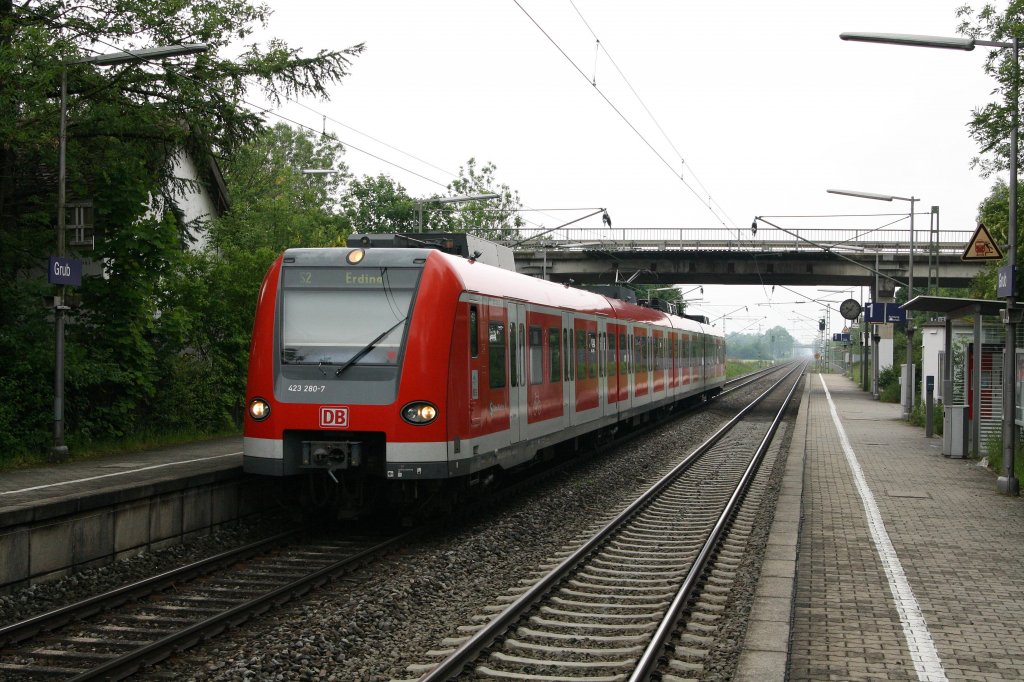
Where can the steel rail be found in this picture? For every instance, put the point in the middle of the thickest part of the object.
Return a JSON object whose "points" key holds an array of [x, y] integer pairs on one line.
{"points": [[123, 666], [59, 617], [471, 649], [649, 659]]}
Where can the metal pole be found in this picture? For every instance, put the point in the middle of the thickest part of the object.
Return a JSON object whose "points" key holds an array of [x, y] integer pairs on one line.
{"points": [[60, 450], [865, 384], [875, 339], [908, 405], [1008, 482]]}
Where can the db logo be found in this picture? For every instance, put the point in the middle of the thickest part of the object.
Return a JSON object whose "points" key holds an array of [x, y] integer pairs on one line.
{"points": [[333, 417]]}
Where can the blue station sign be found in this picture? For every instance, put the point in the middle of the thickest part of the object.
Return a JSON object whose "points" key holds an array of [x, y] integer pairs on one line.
{"points": [[67, 271], [881, 313]]}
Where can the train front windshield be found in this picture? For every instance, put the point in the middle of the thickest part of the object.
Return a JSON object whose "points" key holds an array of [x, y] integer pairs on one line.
{"points": [[345, 316]]}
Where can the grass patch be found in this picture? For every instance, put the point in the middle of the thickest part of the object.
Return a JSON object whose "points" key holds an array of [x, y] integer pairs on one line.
{"points": [[735, 368], [994, 451]]}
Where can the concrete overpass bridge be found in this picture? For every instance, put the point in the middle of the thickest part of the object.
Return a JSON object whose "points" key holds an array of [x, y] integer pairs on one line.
{"points": [[879, 259]]}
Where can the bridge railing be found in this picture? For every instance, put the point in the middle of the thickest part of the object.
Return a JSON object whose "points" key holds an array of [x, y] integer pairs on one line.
{"points": [[890, 241]]}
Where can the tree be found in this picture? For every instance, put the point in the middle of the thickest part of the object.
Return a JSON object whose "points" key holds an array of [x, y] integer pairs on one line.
{"points": [[273, 203], [381, 204], [189, 103], [494, 219], [210, 301], [991, 123], [125, 125]]}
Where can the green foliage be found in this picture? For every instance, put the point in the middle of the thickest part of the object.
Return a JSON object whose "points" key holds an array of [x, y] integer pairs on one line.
{"points": [[918, 416], [495, 219], [775, 343], [381, 204], [991, 123], [148, 348], [994, 452], [889, 385], [160, 342], [274, 204]]}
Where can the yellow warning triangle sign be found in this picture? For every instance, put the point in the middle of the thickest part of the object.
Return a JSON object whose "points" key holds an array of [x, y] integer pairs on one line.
{"points": [[982, 246]]}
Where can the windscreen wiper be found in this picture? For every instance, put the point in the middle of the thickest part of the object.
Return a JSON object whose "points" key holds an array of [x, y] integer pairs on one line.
{"points": [[368, 347]]}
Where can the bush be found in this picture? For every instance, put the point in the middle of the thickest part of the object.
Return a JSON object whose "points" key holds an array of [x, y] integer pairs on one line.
{"points": [[994, 451], [918, 416]]}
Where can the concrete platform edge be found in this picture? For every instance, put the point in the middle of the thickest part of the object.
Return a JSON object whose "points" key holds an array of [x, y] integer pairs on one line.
{"points": [[54, 539], [766, 646]]}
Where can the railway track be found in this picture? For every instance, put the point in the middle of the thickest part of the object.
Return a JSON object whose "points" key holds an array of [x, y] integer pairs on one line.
{"points": [[114, 634], [642, 594], [117, 633]]}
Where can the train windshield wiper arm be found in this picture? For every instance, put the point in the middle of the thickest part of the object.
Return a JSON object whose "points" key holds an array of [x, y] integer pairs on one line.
{"points": [[368, 347]]}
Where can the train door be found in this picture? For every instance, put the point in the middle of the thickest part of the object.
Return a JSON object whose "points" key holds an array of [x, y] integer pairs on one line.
{"points": [[517, 393], [687, 346], [612, 359], [658, 361], [626, 367], [604, 381], [586, 361], [568, 370], [641, 367], [704, 360]]}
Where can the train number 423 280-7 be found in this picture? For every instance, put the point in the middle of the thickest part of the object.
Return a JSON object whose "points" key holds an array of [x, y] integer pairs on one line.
{"points": [[307, 388]]}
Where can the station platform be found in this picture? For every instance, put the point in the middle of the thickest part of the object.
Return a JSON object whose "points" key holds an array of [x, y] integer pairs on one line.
{"points": [[43, 486], [886, 560], [58, 519]]}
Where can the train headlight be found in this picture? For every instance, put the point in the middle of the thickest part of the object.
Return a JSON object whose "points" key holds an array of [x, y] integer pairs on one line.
{"points": [[259, 409], [419, 413], [355, 256]]}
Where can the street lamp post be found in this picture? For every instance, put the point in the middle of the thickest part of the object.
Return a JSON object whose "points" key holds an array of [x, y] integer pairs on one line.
{"points": [[60, 450], [1008, 482], [908, 393]]}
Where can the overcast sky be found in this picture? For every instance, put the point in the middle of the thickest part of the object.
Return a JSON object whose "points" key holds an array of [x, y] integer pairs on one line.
{"points": [[761, 103]]}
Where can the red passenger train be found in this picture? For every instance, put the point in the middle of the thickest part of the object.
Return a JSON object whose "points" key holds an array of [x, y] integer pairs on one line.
{"points": [[402, 372]]}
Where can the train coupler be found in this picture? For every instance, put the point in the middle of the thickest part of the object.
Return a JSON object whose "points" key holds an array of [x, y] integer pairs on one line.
{"points": [[332, 455]]}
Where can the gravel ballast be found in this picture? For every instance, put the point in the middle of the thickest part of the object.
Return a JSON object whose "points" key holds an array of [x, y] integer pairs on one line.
{"points": [[372, 624]]}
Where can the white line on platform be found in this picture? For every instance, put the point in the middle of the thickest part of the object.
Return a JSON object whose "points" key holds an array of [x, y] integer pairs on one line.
{"points": [[919, 640], [118, 473]]}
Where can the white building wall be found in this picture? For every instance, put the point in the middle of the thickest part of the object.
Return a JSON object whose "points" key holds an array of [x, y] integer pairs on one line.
{"points": [[196, 203], [885, 349]]}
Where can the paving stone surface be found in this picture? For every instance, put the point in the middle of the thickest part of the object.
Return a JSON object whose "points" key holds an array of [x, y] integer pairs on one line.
{"points": [[960, 545]]}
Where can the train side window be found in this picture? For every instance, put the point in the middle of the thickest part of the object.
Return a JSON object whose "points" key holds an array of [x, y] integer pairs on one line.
{"points": [[555, 354], [496, 354], [536, 356], [512, 354], [474, 330]]}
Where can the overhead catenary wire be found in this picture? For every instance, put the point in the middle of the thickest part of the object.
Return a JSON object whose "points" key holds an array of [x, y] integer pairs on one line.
{"points": [[711, 204], [621, 115], [603, 48]]}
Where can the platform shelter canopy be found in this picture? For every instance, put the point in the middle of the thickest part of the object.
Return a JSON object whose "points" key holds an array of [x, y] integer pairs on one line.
{"points": [[954, 307]]}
